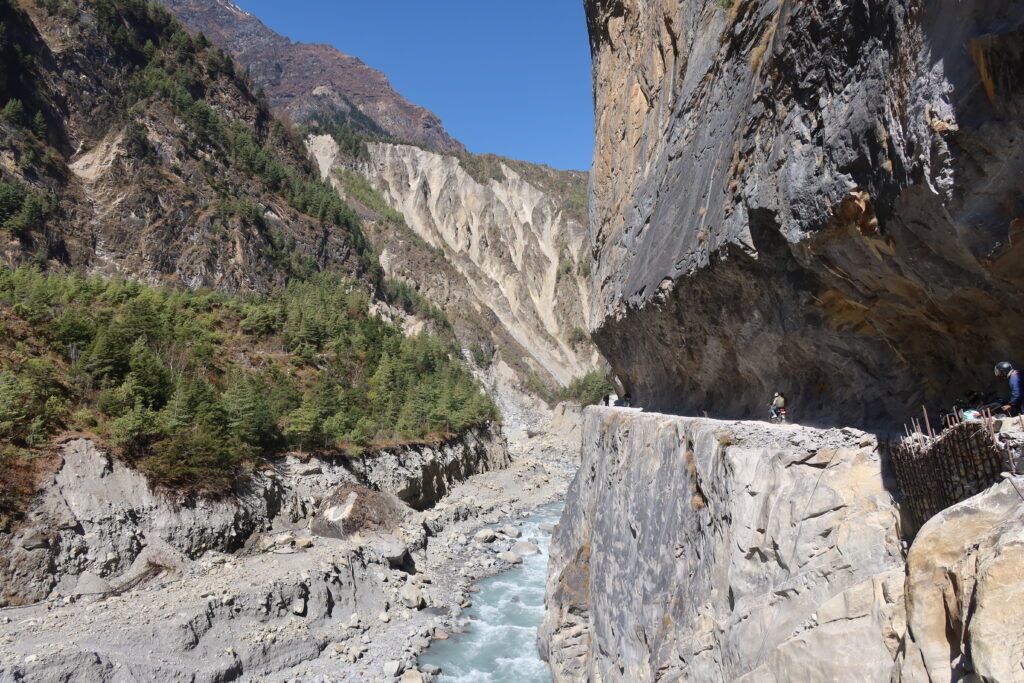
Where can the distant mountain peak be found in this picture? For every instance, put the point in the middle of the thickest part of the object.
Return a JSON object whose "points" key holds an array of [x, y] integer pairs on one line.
{"points": [[296, 76]]}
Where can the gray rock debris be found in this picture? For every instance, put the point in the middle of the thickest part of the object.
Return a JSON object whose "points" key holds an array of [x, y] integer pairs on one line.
{"points": [[100, 516]]}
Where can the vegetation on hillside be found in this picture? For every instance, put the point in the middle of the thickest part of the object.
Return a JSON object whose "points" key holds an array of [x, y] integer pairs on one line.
{"points": [[195, 387], [588, 389], [193, 129]]}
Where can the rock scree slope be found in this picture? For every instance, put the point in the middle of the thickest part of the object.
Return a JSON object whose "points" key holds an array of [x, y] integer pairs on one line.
{"points": [[816, 196], [502, 251]]}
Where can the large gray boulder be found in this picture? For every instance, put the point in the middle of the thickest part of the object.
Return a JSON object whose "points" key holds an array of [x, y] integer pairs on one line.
{"points": [[352, 508], [965, 587]]}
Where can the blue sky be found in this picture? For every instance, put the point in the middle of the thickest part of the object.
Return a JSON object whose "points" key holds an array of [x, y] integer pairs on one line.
{"points": [[506, 76]]}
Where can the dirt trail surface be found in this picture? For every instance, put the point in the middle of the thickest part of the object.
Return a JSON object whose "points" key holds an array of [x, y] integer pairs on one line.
{"points": [[297, 603]]}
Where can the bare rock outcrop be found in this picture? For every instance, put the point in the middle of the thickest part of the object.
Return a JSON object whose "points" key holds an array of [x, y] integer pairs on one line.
{"points": [[420, 476], [495, 243], [696, 549], [100, 519], [964, 590], [808, 195]]}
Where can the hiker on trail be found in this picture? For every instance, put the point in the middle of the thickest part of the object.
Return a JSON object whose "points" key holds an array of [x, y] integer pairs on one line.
{"points": [[778, 405], [1006, 369], [627, 400], [607, 400]]}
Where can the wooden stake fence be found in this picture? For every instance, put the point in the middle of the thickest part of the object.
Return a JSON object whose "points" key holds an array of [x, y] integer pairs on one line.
{"points": [[937, 471]]}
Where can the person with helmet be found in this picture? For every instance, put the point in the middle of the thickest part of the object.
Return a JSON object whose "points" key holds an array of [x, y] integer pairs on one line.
{"points": [[778, 405], [1006, 369]]}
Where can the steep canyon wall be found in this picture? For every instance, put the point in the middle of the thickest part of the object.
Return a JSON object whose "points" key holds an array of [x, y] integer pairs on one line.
{"points": [[695, 549], [707, 550], [816, 196]]}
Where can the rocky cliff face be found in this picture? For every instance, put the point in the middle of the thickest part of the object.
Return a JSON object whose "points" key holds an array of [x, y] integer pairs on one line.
{"points": [[100, 520], [497, 244], [695, 549], [811, 196], [304, 81]]}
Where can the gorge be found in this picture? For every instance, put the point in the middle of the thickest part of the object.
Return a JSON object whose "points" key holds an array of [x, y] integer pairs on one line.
{"points": [[325, 302]]}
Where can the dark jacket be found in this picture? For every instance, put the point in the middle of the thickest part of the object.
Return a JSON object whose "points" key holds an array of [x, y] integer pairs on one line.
{"points": [[1015, 392]]}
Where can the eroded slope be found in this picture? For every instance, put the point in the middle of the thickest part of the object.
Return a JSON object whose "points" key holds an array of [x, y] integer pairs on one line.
{"points": [[507, 248]]}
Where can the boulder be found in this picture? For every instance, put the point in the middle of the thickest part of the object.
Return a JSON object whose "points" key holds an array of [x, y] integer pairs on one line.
{"points": [[34, 539], [351, 508], [485, 535], [965, 585], [394, 551], [90, 584], [524, 548], [511, 531], [412, 597], [510, 557], [412, 676]]}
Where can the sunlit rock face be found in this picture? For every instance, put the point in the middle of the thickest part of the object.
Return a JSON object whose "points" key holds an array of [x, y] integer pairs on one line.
{"points": [[816, 196], [707, 550], [517, 247], [502, 250]]}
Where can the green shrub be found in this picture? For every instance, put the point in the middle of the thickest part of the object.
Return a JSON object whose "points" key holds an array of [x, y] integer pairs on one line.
{"points": [[589, 389], [578, 337], [194, 459], [146, 365]]}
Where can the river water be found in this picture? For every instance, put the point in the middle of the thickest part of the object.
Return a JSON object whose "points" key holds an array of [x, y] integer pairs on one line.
{"points": [[500, 642]]}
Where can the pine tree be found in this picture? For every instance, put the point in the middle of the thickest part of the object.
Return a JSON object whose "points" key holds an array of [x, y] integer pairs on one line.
{"points": [[136, 430], [12, 406], [415, 416], [304, 424], [149, 378], [14, 111], [39, 125], [250, 416]]}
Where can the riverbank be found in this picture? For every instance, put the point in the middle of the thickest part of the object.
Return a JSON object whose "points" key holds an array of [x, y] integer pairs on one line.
{"points": [[292, 604], [499, 644]]}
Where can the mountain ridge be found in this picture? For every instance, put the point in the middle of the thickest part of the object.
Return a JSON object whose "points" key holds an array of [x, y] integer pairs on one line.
{"points": [[306, 81]]}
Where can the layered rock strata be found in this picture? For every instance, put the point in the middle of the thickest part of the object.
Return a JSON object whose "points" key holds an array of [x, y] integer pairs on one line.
{"points": [[815, 196], [696, 549]]}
